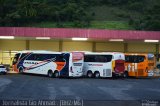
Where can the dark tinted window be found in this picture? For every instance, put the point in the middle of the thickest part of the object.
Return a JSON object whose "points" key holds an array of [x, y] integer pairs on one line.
{"points": [[2, 67], [16, 58], [89, 58], [42, 57], [23, 55], [31, 57], [97, 58], [134, 59], [56, 57]]}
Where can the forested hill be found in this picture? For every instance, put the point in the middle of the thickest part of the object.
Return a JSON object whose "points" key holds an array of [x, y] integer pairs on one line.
{"points": [[105, 14]]}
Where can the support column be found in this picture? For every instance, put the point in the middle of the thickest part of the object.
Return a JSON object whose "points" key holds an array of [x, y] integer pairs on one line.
{"points": [[157, 51], [27, 45], [93, 46], [125, 47], [60, 45]]}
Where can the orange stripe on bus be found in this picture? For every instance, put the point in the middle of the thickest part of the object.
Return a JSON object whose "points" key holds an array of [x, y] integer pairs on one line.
{"points": [[60, 65]]}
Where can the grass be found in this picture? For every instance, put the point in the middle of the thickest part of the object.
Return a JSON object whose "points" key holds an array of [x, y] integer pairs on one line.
{"points": [[43, 25], [111, 25], [94, 24]]}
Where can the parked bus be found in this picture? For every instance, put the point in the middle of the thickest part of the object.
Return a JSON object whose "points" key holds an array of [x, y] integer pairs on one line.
{"points": [[103, 64], [140, 65], [53, 64]]}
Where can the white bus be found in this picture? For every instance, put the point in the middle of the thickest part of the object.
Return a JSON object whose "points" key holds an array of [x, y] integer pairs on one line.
{"points": [[103, 64], [53, 64]]}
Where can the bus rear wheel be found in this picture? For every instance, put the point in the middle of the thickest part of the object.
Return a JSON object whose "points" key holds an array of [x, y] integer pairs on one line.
{"points": [[125, 75], [50, 73], [89, 74], [56, 74], [96, 74]]}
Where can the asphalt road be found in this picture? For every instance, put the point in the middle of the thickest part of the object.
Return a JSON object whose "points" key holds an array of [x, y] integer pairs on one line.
{"points": [[87, 91]]}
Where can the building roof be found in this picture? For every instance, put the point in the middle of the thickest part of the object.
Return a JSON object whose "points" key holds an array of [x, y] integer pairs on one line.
{"points": [[62, 33]]}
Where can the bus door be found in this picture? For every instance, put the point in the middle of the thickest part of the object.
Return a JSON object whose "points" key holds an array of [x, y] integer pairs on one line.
{"points": [[76, 64], [65, 71]]}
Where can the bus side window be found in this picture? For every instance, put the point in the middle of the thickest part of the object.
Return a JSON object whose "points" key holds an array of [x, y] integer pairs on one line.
{"points": [[89, 58], [23, 55], [100, 58], [39, 57], [141, 59], [60, 58], [31, 57], [109, 58]]}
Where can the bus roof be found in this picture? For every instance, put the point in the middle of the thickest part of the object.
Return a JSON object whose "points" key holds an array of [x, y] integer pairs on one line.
{"points": [[105, 53], [144, 54], [113, 53], [39, 51], [97, 53]]}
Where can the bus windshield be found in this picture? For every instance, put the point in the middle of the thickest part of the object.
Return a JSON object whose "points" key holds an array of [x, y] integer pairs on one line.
{"points": [[16, 58], [134, 59]]}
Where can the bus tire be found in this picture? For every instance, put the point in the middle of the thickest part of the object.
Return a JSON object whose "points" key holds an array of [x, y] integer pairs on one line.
{"points": [[21, 70], [125, 75], [56, 74], [50, 73], [89, 74], [97, 74]]}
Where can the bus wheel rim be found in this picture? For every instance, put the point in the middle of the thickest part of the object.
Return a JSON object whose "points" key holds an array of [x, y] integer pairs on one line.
{"points": [[50, 74], [56, 74], [97, 75], [89, 75]]}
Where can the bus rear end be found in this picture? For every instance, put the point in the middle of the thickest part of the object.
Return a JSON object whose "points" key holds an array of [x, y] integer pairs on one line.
{"points": [[76, 64], [118, 64], [138, 65]]}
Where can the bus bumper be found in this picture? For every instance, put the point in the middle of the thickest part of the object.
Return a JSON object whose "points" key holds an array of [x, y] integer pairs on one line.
{"points": [[118, 74], [150, 73]]}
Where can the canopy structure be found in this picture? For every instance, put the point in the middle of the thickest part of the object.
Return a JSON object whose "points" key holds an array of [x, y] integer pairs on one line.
{"points": [[62, 33]]}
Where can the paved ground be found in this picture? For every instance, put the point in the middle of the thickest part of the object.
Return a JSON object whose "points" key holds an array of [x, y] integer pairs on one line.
{"points": [[87, 91]]}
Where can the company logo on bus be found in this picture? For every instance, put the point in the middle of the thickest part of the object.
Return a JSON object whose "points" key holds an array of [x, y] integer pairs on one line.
{"points": [[95, 64], [120, 56]]}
